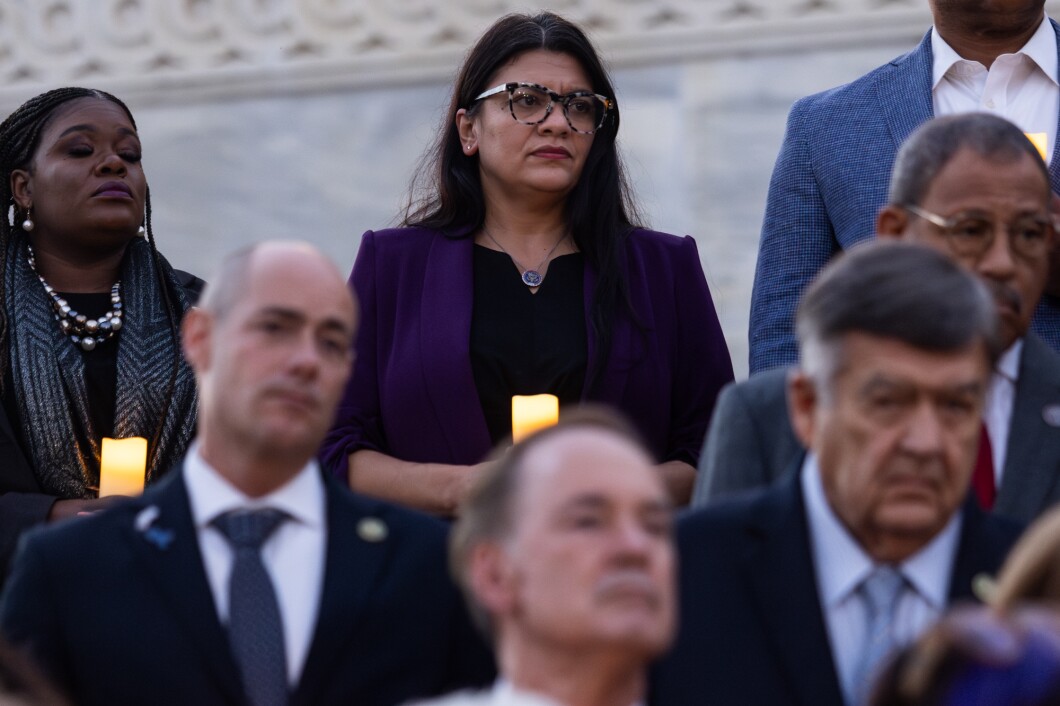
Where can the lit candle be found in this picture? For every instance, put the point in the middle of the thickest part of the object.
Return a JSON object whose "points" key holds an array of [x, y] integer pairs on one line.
{"points": [[1041, 141], [121, 471], [533, 412]]}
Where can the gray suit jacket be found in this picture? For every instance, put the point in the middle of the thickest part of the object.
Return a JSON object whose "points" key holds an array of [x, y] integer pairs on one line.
{"points": [[751, 442]]}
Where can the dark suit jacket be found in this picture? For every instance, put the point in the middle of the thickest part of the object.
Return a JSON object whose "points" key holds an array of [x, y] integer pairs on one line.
{"points": [[829, 182], [412, 394], [115, 615], [752, 631], [751, 442], [22, 502]]}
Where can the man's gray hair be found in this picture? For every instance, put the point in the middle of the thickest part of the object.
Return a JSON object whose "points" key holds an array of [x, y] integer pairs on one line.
{"points": [[927, 151], [488, 512], [895, 290]]}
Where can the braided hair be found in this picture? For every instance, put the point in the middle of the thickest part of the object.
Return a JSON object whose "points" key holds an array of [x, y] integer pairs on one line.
{"points": [[20, 135]]}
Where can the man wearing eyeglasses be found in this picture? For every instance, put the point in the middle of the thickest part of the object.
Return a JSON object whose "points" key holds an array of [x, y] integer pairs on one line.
{"points": [[972, 186], [831, 174]]}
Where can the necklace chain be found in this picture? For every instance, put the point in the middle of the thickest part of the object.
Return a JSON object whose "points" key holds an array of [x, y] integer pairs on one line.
{"points": [[530, 277], [83, 331]]}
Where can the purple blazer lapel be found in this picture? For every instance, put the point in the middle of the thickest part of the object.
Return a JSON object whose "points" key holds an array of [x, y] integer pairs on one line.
{"points": [[905, 92], [445, 334]]}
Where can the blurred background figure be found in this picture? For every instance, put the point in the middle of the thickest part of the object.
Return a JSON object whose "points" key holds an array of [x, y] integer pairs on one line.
{"points": [[521, 270], [565, 554], [831, 175], [89, 309], [973, 187], [976, 657], [248, 576], [796, 593]]}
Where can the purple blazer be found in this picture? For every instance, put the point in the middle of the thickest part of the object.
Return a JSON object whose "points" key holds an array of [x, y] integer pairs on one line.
{"points": [[412, 394]]}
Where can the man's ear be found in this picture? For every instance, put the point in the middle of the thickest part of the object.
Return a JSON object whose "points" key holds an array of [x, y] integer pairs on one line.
{"points": [[195, 334], [892, 221], [803, 399], [491, 578]]}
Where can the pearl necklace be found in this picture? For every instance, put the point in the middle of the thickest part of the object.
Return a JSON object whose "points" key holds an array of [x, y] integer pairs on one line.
{"points": [[85, 332], [531, 278]]}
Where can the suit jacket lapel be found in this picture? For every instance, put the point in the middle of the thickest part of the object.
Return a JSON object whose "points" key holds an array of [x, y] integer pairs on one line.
{"points": [[175, 569], [352, 570], [904, 90], [1032, 459], [445, 334], [781, 571], [980, 551]]}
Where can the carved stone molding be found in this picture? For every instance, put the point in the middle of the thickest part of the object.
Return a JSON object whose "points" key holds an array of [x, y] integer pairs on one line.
{"points": [[162, 49]]}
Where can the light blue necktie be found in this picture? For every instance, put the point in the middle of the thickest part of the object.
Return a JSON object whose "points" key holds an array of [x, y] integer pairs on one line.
{"points": [[880, 593], [255, 627]]}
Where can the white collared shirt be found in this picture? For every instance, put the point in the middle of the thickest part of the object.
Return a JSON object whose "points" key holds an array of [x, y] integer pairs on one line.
{"points": [[293, 555], [1000, 398], [840, 565], [1020, 87], [503, 693]]}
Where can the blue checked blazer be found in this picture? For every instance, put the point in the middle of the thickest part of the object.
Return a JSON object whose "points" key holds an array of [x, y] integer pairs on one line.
{"points": [[830, 180]]}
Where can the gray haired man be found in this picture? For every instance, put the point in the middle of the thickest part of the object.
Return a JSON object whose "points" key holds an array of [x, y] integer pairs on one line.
{"points": [[795, 594]]}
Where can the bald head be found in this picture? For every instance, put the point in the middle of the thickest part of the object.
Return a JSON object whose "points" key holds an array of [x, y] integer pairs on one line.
{"points": [[566, 547], [271, 346], [231, 276]]}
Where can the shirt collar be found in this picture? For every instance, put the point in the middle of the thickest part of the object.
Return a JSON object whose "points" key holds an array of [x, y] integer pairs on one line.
{"points": [[841, 564], [211, 495], [1008, 366], [504, 692], [1040, 48]]}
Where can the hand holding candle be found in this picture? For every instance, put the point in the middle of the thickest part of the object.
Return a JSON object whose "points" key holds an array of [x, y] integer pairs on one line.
{"points": [[532, 412], [122, 468]]}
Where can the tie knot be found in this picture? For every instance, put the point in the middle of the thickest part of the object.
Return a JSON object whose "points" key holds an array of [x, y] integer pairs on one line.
{"points": [[249, 528], [882, 588]]}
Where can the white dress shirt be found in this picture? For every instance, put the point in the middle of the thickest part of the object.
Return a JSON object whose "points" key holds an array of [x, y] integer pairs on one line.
{"points": [[293, 555], [997, 414], [1020, 87], [503, 693], [840, 565]]}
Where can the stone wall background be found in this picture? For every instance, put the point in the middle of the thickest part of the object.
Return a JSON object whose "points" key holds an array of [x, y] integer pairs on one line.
{"points": [[306, 118]]}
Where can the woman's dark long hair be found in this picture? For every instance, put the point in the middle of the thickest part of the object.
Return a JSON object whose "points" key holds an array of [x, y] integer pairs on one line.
{"points": [[20, 136], [446, 194]]}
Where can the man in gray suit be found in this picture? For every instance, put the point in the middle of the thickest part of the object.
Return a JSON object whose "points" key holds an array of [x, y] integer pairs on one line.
{"points": [[975, 187]]}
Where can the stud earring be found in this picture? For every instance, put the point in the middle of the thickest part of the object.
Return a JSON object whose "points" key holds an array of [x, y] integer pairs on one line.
{"points": [[469, 147], [140, 231], [28, 224]]}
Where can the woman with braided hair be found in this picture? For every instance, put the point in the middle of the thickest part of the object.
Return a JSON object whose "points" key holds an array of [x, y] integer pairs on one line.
{"points": [[89, 310]]}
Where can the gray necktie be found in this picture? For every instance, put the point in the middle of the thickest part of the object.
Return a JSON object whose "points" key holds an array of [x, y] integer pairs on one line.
{"points": [[880, 592], [255, 628]]}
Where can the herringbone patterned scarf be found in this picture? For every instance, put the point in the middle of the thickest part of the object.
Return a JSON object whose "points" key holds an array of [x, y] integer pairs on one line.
{"points": [[49, 379]]}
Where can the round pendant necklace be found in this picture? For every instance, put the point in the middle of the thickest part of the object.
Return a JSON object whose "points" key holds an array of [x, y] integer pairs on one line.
{"points": [[531, 278], [85, 332]]}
